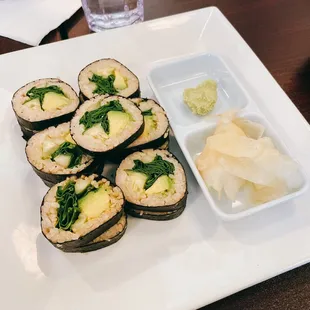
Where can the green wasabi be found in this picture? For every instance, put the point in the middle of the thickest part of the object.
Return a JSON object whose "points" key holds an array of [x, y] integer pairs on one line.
{"points": [[202, 99]]}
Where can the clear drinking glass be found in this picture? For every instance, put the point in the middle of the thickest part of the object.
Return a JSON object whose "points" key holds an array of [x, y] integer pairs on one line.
{"points": [[107, 14]]}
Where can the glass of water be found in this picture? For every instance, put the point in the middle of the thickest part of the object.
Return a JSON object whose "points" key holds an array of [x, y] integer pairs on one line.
{"points": [[107, 14]]}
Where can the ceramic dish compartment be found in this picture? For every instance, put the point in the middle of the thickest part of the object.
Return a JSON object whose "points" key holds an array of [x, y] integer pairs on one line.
{"points": [[194, 143], [169, 81]]}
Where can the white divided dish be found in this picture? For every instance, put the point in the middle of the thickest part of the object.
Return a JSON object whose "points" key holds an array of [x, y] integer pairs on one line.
{"points": [[169, 79]]}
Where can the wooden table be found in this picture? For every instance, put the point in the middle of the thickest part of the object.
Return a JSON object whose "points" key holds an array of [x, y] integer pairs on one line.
{"points": [[279, 33]]}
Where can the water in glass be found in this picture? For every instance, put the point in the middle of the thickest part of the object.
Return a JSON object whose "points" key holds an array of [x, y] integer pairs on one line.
{"points": [[107, 14]]}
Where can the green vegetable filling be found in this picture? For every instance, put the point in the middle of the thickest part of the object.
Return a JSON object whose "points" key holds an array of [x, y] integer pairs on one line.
{"points": [[104, 85], [153, 170], [100, 116], [70, 149], [69, 211], [39, 93], [147, 112]]}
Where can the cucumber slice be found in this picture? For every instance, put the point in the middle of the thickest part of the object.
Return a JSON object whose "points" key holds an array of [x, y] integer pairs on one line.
{"points": [[117, 121], [53, 101], [81, 185], [48, 148], [95, 203], [137, 180], [63, 160], [68, 138], [119, 82], [97, 132], [162, 184], [33, 104]]}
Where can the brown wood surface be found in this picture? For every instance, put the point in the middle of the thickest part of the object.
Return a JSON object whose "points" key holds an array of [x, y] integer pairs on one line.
{"points": [[279, 33]]}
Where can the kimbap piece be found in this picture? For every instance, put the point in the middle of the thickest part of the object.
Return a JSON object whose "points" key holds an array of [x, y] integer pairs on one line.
{"points": [[44, 103], [54, 156], [78, 210], [111, 236], [156, 128], [104, 125], [108, 77], [152, 181]]}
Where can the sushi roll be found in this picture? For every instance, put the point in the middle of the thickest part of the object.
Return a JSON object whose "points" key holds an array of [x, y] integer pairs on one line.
{"points": [[156, 128], [152, 181], [78, 210], [108, 77], [155, 216], [54, 156], [104, 125], [111, 236], [44, 103]]}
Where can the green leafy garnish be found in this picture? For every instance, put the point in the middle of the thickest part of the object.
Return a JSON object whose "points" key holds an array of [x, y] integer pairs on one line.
{"points": [[69, 211], [39, 93], [70, 149], [147, 112], [100, 116], [153, 170], [104, 85]]}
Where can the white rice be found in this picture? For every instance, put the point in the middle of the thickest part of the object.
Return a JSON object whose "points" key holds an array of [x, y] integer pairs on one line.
{"points": [[140, 197], [87, 88], [50, 207], [159, 117], [34, 151], [34, 115], [94, 144]]}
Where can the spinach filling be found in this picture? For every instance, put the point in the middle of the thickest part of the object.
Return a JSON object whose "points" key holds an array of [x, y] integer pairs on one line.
{"points": [[153, 170], [39, 93], [71, 150], [69, 211], [103, 85], [147, 112], [100, 116]]}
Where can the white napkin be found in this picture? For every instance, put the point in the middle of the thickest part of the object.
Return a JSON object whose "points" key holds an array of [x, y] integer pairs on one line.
{"points": [[29, 21]]}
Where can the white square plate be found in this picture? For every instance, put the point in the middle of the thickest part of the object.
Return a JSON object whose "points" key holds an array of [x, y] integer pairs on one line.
{"points": [[169, 80], [182, 264]]}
